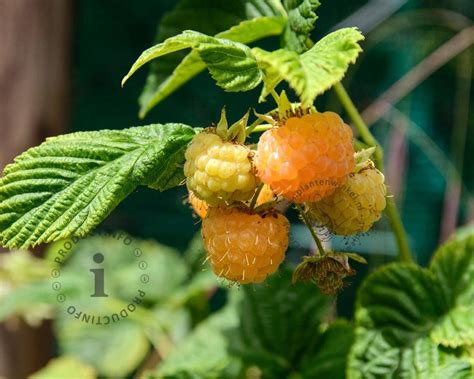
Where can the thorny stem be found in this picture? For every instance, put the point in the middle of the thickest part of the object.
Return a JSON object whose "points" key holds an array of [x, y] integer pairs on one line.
{"points": [[391, 210], [311, 229], [255, 196]]}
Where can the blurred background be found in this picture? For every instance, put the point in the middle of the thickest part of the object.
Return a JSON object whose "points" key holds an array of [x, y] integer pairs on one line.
{"points": [[61, 62]]}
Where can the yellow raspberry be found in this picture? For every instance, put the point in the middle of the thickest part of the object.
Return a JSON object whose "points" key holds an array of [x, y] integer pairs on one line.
{"points": [[218, 171], [307, 158], [200, 207], [355, 206], [242, 246]]}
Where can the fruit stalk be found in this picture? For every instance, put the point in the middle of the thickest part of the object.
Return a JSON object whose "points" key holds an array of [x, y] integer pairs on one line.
{"points": [[306, 221], [391, 210]]}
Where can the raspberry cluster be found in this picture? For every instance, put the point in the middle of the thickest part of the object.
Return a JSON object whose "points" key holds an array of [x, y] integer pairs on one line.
{"points": [[305, 157]]}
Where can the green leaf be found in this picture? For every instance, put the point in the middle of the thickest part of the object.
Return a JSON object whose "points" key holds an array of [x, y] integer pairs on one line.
{"points": [[65, 367], [402, 300], [205, 353], [371, 356], [231, 64], [242, 21], [271, 319], [114, 350], [70, 183], [453, 266], [328, 360], [273, 327], [315, 71], [23, 291], [301, 19], [405, 312]]}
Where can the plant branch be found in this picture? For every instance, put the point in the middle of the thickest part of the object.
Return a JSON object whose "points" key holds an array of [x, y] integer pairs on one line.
{"points": [[404, 254], [391, 211], [359, 123]]}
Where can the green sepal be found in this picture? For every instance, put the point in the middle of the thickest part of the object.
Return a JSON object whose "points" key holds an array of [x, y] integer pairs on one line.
{"points": [[222, 125], [285, 108], [237, 132]]}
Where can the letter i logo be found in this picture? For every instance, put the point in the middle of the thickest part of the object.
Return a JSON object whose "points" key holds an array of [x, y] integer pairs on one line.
{"points": [[98, 277]]}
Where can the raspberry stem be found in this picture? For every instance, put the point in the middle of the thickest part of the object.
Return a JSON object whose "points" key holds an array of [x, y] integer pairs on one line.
{"points": [[306, 221], [251, 128], [275, 97], [391, 210], [261, 128]]}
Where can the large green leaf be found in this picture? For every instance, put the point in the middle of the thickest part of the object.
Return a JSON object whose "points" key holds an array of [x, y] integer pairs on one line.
{"points": [[453, 266], [69, 184], [404, 313], [301, 19], [372, 356], [273, 328], [316, 70], [280, 323], [231, 64], [242, 21], [191, 65]]}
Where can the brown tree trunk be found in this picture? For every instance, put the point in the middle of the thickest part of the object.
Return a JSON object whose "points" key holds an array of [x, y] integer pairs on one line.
{"points": [[35, 40]]}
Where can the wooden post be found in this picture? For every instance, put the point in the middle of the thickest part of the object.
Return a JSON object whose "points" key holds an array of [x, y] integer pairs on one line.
{"points": [[35, 41]]}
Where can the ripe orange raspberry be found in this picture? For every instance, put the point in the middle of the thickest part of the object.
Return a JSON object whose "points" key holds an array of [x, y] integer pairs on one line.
{"points": [[307, 158], [200, 207], [355, 206], [242, 246], [218, 171]]}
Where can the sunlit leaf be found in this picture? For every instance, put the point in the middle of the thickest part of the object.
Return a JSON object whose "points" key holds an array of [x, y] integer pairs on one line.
{"points": [[316, 70]]}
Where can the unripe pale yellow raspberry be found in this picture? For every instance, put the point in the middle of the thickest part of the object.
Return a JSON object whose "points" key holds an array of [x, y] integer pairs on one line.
{"points": [[355, 206], [218, 171]]}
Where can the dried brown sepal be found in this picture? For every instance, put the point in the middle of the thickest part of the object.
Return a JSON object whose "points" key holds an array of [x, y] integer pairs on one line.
{"points": [[328, 271]]}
